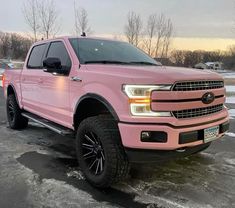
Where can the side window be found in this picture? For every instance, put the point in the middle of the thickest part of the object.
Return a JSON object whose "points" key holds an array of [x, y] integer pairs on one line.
{"points": [[35, 58], [58, 50]]}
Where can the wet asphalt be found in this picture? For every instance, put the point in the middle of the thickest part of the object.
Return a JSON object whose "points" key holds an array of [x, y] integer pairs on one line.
{"points": [[38, 168]]}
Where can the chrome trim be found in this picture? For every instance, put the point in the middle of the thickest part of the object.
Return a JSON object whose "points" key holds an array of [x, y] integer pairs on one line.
{"points": [[76, 79], [197, 85], [198, 112], [47, 125]]}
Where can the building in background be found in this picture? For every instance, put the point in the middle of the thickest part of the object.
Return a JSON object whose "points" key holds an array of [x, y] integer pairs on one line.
{"points": [[210, 65]]}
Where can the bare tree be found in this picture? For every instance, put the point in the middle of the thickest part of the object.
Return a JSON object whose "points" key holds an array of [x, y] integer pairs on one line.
{"points": [[133, 28], [177, 57], [49, 18], [160, 33], [81, 20], [167, 38], [14, 46], [151, 30], [164, 29], [31, 15], [5, 44]]}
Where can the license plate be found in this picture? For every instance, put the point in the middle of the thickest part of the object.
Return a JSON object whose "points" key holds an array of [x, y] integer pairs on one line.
{"points": [[211, 134]]}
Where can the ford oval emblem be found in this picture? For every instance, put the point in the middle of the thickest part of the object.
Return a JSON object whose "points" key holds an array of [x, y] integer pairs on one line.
{"points": [[208, 98]]}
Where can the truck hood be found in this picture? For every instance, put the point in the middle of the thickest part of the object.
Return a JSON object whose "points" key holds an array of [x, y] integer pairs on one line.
{"points": [[153, 74]]}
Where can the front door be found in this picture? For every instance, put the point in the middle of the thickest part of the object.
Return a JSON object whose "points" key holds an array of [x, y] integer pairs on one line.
{"points": [[54, 89]]}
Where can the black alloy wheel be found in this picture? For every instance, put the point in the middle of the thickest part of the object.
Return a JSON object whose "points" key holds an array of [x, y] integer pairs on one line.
{"points": [[15, 119], [100, 153], [93, 153]]}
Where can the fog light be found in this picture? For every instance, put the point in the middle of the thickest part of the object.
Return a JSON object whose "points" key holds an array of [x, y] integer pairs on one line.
{"points": [[145, 135], [153, 136]]}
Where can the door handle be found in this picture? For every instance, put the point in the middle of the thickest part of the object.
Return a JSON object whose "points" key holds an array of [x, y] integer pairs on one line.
{"points": [[76, 79]]}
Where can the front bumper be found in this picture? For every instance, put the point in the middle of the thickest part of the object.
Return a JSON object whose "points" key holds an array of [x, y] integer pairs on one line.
{"points": [[150, 156], [131, 134]]}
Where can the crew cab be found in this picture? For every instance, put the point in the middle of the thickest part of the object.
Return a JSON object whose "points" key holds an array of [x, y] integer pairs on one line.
{"points": [[122, 106]]}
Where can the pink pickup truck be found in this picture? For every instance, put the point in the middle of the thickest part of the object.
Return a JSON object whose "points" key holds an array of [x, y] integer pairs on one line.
{"points": [[122, 105]]}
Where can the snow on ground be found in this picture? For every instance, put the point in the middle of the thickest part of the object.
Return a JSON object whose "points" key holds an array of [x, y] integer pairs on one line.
{"points": [[228, 75], [230, 134], [232, 112], [230, 100], [230, 88]]}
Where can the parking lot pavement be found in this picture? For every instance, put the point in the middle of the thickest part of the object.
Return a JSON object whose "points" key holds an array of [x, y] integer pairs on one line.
{"points": [[38, 169]]}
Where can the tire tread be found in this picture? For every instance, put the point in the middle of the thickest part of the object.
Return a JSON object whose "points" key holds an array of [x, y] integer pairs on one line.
{"points": [[119, 164]]}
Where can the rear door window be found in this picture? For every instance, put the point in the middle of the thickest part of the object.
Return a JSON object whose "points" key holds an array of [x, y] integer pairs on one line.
{"points": [[36, 56]]}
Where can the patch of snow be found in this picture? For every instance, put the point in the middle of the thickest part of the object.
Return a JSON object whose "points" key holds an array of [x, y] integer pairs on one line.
{"points": [[230, 100], [44, 152], [230, 161], [56, 154], [230, 88], [155, 201], [76, 174], [230, 134], [228, 75], [231, 112], [54, 193]]}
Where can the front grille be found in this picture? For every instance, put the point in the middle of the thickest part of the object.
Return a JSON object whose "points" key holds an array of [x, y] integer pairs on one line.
{"points": [[197, 85], [191, 113]]}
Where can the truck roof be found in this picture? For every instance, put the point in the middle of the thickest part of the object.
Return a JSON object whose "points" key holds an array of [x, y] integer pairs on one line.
{"points": [[68, 37]]}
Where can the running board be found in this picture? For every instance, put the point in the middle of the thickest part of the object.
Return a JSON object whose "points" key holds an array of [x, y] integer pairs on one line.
{"points": [[48, 124]]}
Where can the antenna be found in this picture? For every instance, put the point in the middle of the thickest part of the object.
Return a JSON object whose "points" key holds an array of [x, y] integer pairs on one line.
{"points": [[83, 34]]}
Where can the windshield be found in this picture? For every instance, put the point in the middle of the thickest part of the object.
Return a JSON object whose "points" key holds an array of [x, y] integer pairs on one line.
{"points": [[91, 51]]}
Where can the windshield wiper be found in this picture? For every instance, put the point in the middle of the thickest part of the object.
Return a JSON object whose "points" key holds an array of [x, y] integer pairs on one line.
{"points": [[105, 62], [144, 63]]}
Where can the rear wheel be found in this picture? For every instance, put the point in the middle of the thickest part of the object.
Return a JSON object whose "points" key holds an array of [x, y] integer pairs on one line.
{"points": [[15, 119], [100, 153]]}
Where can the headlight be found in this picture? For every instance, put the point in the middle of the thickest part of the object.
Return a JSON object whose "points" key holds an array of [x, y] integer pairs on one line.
{"points": [[140, 99]]}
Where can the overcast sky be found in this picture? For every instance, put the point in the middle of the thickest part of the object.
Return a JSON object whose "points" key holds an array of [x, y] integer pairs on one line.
{"points": [[191, 18], [198, 24]]}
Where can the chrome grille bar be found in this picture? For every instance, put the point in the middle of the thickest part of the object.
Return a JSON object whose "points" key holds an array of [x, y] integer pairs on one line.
{"points": [[191, 113], [197, 85]]}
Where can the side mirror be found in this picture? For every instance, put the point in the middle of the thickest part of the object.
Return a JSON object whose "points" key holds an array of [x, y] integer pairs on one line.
{"points": [[52, 65]]}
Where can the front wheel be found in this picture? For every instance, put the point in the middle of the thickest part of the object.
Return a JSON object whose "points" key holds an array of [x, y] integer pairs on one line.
{"points": [[15, 119], [100, 153]]}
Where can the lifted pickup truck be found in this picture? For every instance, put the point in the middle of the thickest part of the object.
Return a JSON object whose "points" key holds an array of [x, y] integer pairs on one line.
{"points": [[122, 105]]}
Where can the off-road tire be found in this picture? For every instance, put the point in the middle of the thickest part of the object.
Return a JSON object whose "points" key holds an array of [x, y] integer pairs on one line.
{"points": [[116, 166], [15, 119]]}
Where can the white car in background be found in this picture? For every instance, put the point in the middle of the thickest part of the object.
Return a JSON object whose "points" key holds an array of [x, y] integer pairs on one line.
{"points": [[5, 64]]}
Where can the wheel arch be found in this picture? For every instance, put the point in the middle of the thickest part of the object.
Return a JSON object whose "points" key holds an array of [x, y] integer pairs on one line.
{"points": [[12, 91], [98, 104]]}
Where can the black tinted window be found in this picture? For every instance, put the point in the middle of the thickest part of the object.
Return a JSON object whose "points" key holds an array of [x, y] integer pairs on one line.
{"points": [[95, 50], [58, 50], [36, 55]]}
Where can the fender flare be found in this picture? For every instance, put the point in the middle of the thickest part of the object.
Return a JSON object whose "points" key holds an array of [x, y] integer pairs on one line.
{"points": [[101, 99], [11, 85]]}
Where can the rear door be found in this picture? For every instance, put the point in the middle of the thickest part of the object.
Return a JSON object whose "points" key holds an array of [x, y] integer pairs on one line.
{"points": [[30, 78]]}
